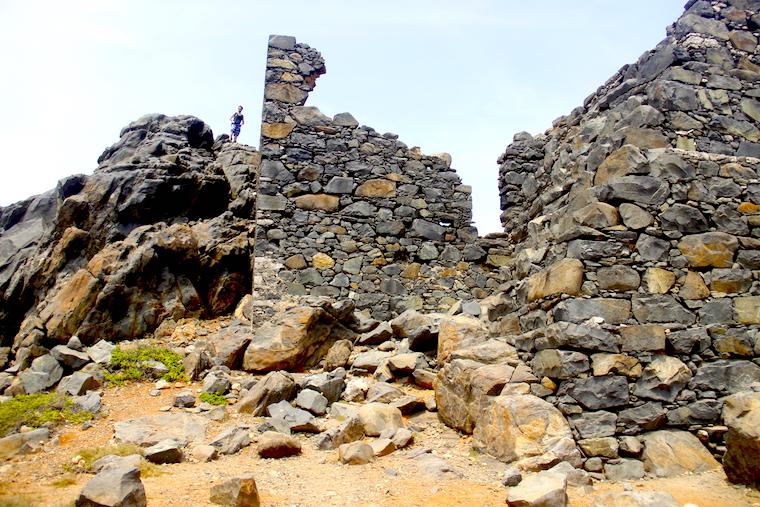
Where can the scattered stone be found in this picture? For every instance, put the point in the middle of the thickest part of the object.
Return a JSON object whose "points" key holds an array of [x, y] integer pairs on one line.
{"points": [[114, 487], [150, 430], [166, 451], [237, 492], [542, 489], [356, 453], [232, 440], [277, 445], [376, 417]]}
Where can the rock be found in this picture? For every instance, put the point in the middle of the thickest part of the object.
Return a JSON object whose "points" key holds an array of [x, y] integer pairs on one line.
{"points": [[559, 364], [663, 379], [660, 308], [511, 476], [312, 401], [714, 249], [349, 430], [275, 386], [236, 492], [300, 336], [112, 461], [381, 333], [376, 417], [44, 373], [229, 345], [356, 453], [604, 364], [90, 402], [634, 217], [114, 487], [595, 393], [525, 429], [402, 438], [383, 393], [436, 467], [625, 160], [630, 446], [540, 490], [562, 277], [329, 384], [293, 418], [594, 424], [727, 376], [382, 446], [747, 309], [636, 499], [459, 331], [166, 451], [613, 311], [204, 453], [77, 383], [184, 399], [668, 453], [23, 443], [338, 354], [618, 278], [100, 353], [648, 416], [232, 440], [405, 364], [216, 382], [624, 470], [73, 359], [741, 413], [606, 447], [150, 430], [277, 445]]}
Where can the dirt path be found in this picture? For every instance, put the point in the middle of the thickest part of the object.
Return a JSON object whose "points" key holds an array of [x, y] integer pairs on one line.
{"points": [[315, 478]]}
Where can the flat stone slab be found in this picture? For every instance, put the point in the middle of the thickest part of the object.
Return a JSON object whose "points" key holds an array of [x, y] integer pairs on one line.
{"points": [[148, 431]]}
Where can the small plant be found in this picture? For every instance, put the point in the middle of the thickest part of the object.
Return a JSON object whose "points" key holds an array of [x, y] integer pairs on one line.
{"points": [[36, 410], [64, 481], [129, 364], [213, 398]]}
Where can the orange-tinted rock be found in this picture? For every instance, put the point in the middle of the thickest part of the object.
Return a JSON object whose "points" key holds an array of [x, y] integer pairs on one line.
{"points": [[714, 249], [276, 130], [322, 202], [693, 287], [379, 187], [563, 277], [619, 163]]}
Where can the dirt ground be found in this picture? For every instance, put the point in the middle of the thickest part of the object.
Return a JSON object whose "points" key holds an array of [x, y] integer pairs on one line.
{"points": [[315, 478]]}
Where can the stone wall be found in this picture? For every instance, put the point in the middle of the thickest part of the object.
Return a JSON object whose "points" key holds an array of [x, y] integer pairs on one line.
{"points": [[635, 236], [355, 213]]}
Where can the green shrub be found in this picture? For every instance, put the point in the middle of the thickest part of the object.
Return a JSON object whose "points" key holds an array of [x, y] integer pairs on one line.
{"points": [[213, 398], [36, 410], [127, 364]]}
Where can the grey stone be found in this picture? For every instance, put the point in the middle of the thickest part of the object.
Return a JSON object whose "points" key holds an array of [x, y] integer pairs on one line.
{"points": [[294, 418], [71, 358], [594, 424], [356, 453], [284, 42], [114, 487], [44, 373], [649, 416], [625, 470], [427, 230], [277, 445], [23, 443], [340, 185], [78, 383], [613, 311], [596, 393], [651, 248], [101, 352], [660, 308], [683, 218], [166, 451], [216, 382], [730, 376], [312, 401], [349, 430], [150, 430], [113, 461], [232, 440], [274, 387]]}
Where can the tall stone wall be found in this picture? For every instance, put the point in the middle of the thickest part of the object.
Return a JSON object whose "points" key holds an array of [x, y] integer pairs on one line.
{"points": [[359, 214], [635, 235]]}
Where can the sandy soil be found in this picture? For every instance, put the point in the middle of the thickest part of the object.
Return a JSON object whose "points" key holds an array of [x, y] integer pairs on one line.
{"points": [[315, 478]]}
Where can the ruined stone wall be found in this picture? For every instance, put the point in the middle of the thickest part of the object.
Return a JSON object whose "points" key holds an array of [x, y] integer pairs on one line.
{"points": [[635, 228], [355, 213]]}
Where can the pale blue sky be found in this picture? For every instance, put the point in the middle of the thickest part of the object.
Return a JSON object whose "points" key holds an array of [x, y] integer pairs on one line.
{"points": [[461, 77]]}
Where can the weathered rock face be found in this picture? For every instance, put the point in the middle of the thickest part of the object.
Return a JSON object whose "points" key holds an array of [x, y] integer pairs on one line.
{"points": [[145, 237]]}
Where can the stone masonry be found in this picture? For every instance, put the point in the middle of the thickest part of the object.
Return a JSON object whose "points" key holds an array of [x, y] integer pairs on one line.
{"points": [[359, 214], [634, 228]]}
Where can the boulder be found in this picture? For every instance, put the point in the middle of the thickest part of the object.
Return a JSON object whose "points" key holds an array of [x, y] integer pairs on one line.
{"points": [[545, 489], [356, 453], [232, 440], [272, 444], [113, 461], [663, 379], [562, 277], [525, 429], [457, 332], [114, 487], [23, 443], [166, 451], [275, 386], [668, 453], [313, 401], [298, 337], [349, 430], [741, 413], [44, 373], [77, 383], [283, 414], [376, 417], [236, 492]]}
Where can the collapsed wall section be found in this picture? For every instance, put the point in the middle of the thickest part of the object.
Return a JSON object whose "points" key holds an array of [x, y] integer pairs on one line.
{"points": [[359, 214], [635, 228]]}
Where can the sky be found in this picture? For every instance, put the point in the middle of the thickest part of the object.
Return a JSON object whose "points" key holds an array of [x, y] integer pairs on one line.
{"points": [[447, 76]]}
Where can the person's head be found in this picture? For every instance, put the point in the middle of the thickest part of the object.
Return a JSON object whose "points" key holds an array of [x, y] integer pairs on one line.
{"points": [[240, 109]]}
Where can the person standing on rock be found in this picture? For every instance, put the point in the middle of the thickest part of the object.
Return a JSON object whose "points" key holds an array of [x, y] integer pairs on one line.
{"points": [[238, 121]]}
